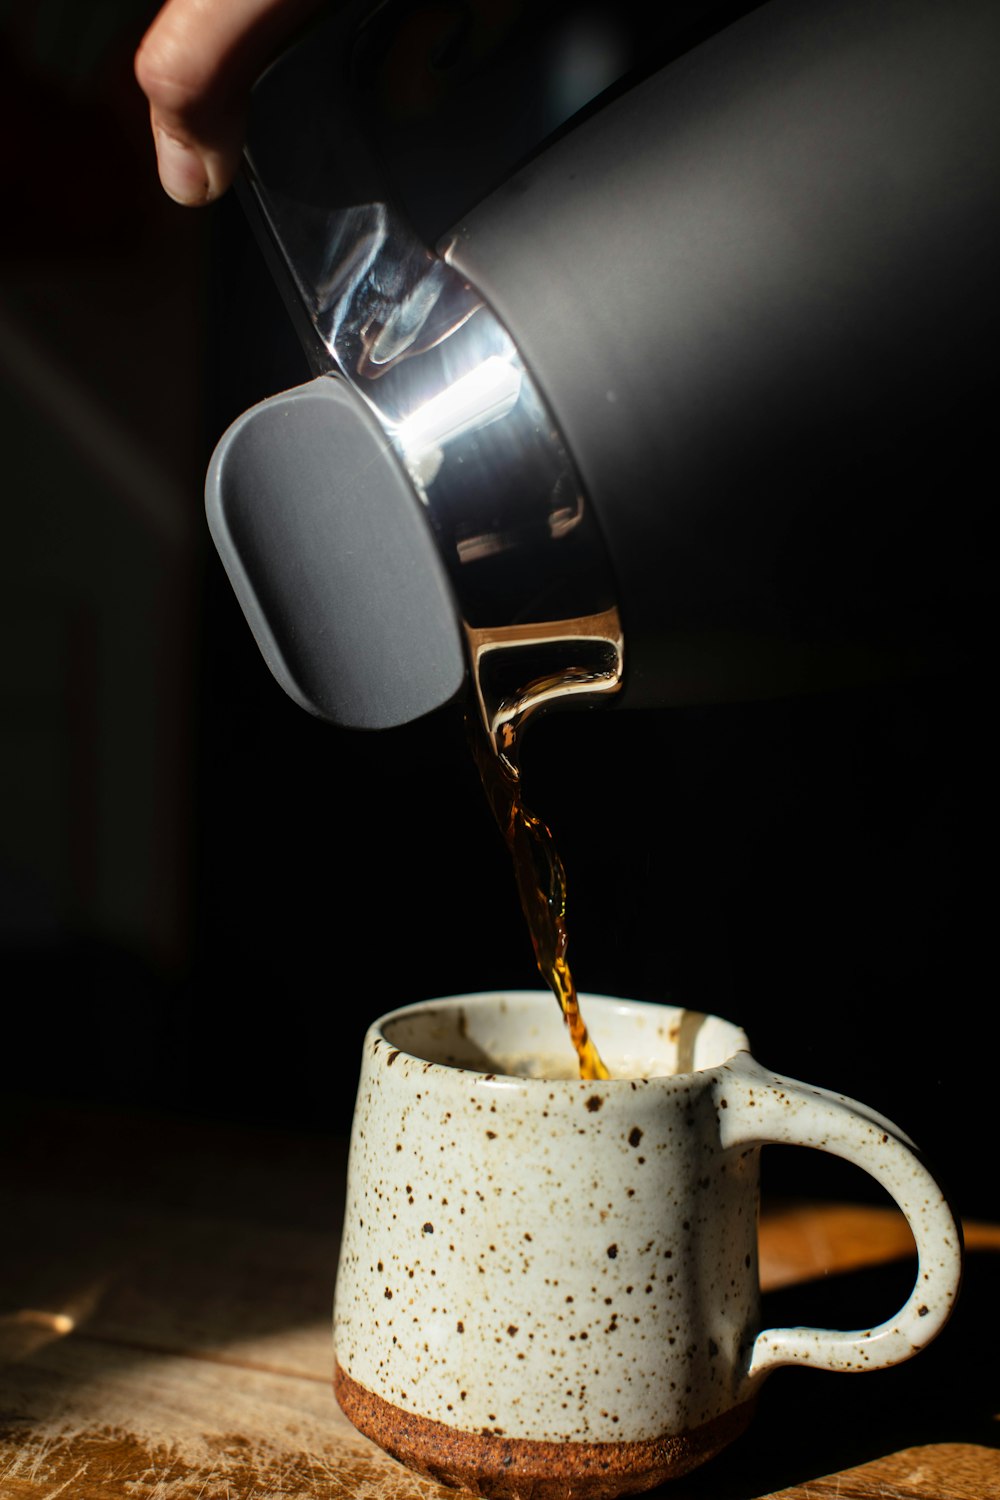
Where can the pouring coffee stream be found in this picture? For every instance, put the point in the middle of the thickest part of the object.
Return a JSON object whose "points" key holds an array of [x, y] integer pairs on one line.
{"points": [[541, 884], [515, 674]]}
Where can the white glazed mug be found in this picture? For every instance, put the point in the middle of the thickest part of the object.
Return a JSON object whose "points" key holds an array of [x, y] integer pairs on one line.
{"points": [[548, 1286]]}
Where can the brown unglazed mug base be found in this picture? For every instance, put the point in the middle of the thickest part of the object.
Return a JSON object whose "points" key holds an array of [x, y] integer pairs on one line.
{"points": [[502, 1468]]}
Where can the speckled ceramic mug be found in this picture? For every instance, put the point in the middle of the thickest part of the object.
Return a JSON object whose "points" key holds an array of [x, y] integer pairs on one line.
{"points": [[548, 1287]]}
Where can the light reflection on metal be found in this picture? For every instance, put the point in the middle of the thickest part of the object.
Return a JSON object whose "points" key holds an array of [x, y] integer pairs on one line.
{"points": [[446, 382], [584, 657], [484, 395]]}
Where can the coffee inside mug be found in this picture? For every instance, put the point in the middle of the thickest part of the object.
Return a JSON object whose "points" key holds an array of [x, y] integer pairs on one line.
{"points": [[519, 1038]]}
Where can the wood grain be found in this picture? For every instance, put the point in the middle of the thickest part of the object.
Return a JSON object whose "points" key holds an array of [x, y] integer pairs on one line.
{"points": [[105, 1421], [943, 1471], [165, 1295]]}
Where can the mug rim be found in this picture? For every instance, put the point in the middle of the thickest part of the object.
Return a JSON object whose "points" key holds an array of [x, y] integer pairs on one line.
{"points": [[739, 1043]]}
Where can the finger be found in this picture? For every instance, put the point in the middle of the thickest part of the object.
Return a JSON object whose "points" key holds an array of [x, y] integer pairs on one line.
{"points": [[196, 65]]}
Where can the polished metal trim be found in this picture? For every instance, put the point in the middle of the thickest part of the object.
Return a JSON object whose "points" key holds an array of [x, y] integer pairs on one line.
{"points": [[462, 412], [583, 658]]}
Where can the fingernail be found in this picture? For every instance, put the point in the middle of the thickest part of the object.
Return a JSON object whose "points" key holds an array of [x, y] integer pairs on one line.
{"points": [[182, 171]]}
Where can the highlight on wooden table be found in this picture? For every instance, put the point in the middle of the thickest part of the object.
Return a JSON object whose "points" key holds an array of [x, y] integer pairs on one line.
{"points": [[165, 1295]]}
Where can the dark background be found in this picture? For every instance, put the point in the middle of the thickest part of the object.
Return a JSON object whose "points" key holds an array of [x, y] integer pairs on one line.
{"points": [[206, 896]]}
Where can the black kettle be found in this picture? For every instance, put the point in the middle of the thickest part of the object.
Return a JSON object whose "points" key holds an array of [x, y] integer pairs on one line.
{"points": [[686, 394]]}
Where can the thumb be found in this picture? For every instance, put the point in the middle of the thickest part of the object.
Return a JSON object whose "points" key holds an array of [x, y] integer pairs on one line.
{"points": [[196, 66]]}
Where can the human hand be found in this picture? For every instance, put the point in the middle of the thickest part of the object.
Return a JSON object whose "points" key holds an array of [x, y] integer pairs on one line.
{"points": [[196, 66]]}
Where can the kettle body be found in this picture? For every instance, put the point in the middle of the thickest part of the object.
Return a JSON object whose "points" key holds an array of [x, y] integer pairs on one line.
{"points": [[694, 406]]}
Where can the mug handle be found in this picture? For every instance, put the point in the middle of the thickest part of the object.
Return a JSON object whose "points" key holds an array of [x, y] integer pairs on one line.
{"points": [[757, 1107]]}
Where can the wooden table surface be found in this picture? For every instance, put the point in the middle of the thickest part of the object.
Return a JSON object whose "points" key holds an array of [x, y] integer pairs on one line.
{"points": [[165, 1292]]}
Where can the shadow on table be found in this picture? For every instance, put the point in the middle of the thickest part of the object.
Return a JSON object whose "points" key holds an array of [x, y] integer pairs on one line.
{"points": [[156, 1234], [811, 1423]]}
